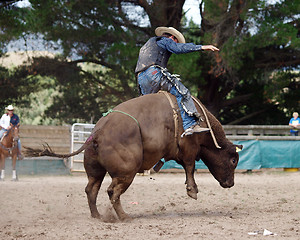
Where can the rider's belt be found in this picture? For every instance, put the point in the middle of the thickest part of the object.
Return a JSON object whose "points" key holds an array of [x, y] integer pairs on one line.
{"points": [[147, 68]]}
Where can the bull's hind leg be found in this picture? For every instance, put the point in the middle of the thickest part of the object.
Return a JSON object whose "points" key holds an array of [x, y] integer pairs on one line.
{"points": [[92, 190], [118, 186]]}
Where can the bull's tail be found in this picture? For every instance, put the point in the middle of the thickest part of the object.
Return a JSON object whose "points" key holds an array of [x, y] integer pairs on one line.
{"points": [[47, 151]]}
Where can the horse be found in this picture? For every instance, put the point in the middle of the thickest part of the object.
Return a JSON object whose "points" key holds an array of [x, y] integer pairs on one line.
{"points": [[9, 147]]}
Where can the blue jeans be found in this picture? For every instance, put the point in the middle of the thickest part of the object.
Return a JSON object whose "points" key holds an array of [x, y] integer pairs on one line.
{"points": [[2, 131], [294, 133], [152, 80], [187, 120]]}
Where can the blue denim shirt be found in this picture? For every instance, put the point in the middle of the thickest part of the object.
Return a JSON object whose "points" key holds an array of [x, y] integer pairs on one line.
{"points": [[14, 120], [178, 48]]}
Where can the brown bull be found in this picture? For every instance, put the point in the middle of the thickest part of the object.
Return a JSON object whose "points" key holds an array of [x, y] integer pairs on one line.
{"points": [[135, 136]]}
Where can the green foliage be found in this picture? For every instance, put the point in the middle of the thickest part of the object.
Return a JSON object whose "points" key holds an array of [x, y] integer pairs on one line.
{"points": [[254, 79], [34, 112], [14, 85], [258, 41]]}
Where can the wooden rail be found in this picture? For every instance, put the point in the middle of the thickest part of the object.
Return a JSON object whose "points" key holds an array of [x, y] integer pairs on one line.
{"points": [[58, 137], [259, 132]]}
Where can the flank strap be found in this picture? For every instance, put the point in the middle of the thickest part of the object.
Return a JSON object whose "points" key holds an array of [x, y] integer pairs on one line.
{"points": [[118, 111]]}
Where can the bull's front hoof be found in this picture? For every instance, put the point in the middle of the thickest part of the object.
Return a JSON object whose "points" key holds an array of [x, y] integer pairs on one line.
{"points": [[191, 192], [126, 218], [96, 215]]}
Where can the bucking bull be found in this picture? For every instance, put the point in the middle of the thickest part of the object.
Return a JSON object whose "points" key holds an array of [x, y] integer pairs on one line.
{"points": [[136, 134]]}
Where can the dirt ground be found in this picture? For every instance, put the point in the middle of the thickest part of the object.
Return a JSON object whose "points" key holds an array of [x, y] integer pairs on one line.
{"points": [[56, 208]]}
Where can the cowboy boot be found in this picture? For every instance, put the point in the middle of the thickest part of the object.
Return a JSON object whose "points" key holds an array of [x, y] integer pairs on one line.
{"points": [[198, 129], [194, 129]]}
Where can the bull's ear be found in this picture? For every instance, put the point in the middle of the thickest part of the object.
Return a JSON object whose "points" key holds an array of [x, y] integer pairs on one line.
{"points": [[238, 148]]}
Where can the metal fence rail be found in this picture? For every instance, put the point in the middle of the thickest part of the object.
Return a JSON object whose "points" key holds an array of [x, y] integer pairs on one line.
{"points": [[79, 134], [259, 132]]}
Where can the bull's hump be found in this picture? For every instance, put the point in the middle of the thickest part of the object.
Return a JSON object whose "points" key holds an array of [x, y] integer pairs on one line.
{"points": [[147, 103]]}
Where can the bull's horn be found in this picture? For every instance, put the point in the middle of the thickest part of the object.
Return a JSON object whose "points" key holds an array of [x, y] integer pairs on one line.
{"points": [[237, 149]]}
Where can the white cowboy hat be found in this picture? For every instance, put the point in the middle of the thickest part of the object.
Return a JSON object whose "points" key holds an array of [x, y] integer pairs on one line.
{"points": [[9, 107], [161, 30]]}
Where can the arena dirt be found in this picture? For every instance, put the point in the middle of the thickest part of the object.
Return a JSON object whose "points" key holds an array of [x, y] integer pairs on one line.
{"points": [[56, 208]]}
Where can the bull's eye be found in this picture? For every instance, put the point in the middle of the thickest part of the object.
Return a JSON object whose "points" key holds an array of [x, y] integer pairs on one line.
{"points": [[233, 161]]}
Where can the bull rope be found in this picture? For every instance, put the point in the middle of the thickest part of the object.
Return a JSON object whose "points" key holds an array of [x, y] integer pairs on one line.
{"points": [[175, 114], [208, 123]]}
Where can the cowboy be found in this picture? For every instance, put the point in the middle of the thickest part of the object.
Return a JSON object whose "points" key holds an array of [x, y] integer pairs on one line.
{"points": [[152, 74], [8, 120]]}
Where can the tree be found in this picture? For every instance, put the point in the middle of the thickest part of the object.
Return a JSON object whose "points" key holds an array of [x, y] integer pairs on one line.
{"points": [[253, 79], [86, 93], [15, 83], [257, 40]]}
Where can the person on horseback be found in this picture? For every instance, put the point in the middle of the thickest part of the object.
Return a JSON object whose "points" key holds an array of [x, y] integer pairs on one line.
{"points": [[152, 74], [8, 120]]}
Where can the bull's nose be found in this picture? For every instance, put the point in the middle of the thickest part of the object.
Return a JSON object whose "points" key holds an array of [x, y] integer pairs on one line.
{"points": [[227, 184]]}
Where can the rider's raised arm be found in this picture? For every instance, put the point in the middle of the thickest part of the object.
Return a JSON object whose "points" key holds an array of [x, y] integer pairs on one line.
{"points": [[178, 48]]}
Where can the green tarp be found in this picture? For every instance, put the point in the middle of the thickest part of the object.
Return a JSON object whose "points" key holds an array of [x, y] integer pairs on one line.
{"points": [[38, 166], [258, 154]]}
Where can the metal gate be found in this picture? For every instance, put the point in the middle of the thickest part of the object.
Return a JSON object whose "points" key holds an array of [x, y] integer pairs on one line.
{"points": [[79, 134]]}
